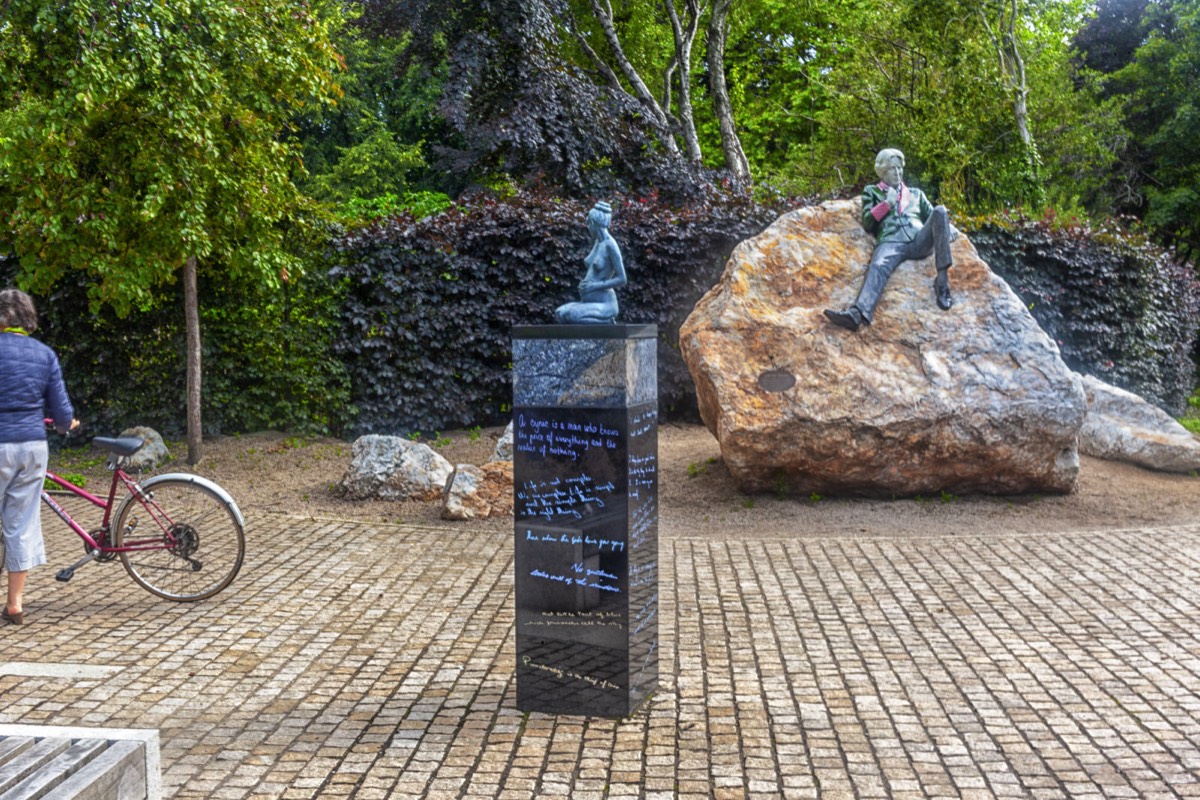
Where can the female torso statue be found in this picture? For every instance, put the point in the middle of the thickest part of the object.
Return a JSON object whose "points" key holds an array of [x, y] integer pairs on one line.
{"points": [[605, 272]]}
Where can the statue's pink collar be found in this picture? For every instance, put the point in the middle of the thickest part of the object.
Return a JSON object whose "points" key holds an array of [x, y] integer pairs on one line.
{"points": [[905, 194]]}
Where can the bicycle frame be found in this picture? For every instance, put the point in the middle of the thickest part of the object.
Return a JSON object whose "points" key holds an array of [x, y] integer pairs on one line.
{"points": [[161, 551], [163, 522]]}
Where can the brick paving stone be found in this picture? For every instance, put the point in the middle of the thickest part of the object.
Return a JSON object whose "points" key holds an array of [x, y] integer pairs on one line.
{"points": [[377, 661]]}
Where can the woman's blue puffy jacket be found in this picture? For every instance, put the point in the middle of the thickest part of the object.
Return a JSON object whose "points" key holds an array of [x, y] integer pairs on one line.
{"points": [[31, 389]]}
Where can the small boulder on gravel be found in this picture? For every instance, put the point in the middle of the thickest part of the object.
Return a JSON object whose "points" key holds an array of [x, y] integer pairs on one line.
{"points": [[504, 447], [393, 468], [479, 492], [153, 453]]}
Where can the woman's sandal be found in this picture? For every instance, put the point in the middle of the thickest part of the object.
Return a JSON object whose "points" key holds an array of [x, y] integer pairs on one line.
{"points": [[15, 619]]}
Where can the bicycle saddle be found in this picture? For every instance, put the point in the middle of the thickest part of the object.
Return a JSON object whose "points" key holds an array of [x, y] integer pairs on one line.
{"points": [[122, 446]]}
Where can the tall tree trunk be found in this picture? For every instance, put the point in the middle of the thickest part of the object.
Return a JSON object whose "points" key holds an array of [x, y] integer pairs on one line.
{"points": [[1012, 64], [603, 12], [1012, 67], [684, 36], [191, 315], [718, 32]]}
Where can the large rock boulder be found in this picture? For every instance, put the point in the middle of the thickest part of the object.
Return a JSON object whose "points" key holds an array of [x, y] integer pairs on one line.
{"points": [[1120, 426], [974, 399], [479, 492], [393, 468]]}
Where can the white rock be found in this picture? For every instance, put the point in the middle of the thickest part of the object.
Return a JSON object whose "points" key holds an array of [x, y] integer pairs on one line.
{"points": [[1120, 426], [153, 453], [393, 468], [504, 447]]}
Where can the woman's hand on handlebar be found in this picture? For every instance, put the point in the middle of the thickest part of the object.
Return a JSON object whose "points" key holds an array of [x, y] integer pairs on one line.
{"points": [[70, 429]]}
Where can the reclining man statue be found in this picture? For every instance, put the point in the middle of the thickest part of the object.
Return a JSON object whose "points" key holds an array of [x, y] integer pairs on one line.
{"points": [[907, 227]]}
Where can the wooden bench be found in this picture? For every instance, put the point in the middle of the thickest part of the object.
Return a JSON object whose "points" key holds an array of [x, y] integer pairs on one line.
{"points": [[49, 761]]}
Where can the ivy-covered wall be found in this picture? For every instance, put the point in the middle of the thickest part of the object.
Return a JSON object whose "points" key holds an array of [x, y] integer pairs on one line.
{"points": [[1119, 307], [410, 328], [430, 303]]}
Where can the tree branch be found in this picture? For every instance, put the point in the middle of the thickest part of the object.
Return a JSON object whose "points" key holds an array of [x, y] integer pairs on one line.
{"points": [[600, 64], [605, 17], [718, 31]]}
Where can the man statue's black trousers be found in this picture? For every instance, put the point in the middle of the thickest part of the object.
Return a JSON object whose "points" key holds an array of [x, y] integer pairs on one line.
{"points": [[934, 238]]}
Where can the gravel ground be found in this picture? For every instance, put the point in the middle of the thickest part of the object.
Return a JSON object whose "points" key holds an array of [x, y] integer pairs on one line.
{"points": [[274, 472]]}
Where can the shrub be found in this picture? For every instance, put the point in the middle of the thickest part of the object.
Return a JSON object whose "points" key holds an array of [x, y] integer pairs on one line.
{"points": [[1118, 306], [265, 360], [430, 302], [267, 357], [419, 204]]}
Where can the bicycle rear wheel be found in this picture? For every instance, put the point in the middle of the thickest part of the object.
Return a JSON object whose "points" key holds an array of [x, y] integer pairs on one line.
{"points": [[194, 535]]}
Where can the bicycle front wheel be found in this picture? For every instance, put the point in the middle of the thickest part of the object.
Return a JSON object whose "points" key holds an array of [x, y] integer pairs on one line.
{"points": [[186, 537]]}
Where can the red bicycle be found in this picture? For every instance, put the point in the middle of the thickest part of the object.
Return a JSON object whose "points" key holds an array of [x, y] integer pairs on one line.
{"points": [[180, 536]]}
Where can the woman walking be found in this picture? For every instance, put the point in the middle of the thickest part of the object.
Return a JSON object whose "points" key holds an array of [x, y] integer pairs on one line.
{"points": [[31, 388]]}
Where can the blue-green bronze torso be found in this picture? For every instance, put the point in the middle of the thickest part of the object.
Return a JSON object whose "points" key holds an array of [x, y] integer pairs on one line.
{"points": [[900, 225]]}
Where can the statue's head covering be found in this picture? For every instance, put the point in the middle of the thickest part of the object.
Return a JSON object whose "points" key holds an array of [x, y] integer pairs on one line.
{"points": [[601, 214]]}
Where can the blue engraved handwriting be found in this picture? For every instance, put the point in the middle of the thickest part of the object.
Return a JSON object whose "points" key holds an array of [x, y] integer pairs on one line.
{"points": [[642, 520], [555, 499], [643, 473], [613, 545], [647, 660], [643, 423], [643, 574], [646, 613], [574, 581], [562, 438], [579, 568]]}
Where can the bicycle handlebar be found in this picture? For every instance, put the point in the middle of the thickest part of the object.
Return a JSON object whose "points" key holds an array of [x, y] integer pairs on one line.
{"points": [[75, 424]]}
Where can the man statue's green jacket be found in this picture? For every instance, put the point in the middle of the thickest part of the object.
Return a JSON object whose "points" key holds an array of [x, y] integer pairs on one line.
{"points": [[894, 225]]}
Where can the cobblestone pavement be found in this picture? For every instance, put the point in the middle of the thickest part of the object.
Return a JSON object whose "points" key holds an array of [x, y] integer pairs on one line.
{"points": [[357, 660]]}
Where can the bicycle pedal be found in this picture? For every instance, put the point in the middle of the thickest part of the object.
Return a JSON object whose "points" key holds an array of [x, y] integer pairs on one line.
{"points": [[65, 575]]}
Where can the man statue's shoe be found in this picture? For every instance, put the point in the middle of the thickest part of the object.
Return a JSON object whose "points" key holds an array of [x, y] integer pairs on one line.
{"points": [[944, 298], [849, 319]]}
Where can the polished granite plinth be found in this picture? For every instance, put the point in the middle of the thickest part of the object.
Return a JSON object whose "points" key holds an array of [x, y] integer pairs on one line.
{"points": [[585, 452]]}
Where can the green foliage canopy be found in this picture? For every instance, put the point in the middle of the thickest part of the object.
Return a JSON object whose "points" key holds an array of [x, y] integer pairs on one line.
{"points": [[372, 143], [268, 351], [928, 76], [987, 99], [135, 134], [1158, 89]]}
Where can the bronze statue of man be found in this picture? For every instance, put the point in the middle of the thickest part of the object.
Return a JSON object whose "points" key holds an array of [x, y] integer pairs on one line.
{"points": [[906, 228]]}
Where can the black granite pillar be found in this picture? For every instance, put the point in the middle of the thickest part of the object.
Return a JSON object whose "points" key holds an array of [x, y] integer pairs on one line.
{"points": [[585, 463]]}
